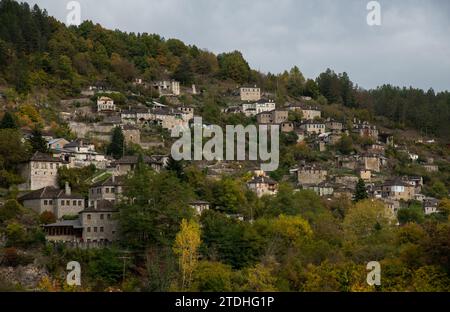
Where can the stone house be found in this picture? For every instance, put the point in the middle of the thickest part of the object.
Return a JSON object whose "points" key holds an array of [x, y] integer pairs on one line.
{"points": [[392, 204], [105, 103], [416, 181], [287, 126], [311, 175], [110, 189], [250, 93], [347, 180], [334, 126], [57, 144], [168, 88], [128, 163], [309, 112], [376, 149], [364, 129], [366, 175], [371, 162], [187, 111], [347, 162], [132, 134], [342, 191], [200, 206], [430, 205], [323, 189], [273, 117], [431, 168], [95, 227], [59, 202], [41, 171], [398, 190], [263, 185], [313, 127], [254, 108]]}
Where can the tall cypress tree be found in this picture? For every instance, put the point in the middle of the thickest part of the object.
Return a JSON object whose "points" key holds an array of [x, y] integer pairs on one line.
{"points": [[360, 191], [116, 148]]}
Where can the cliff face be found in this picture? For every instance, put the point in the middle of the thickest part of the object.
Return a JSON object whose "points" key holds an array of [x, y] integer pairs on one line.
{"points": [[22, 277]]}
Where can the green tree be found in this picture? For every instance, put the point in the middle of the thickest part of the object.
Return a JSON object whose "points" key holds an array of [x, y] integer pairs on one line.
{"points": [[234, 66], [117, 145], [360, 191], [38, 143], [8, 121]]}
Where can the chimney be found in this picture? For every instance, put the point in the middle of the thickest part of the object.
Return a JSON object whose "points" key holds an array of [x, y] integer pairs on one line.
{"points": [[68, 189]]}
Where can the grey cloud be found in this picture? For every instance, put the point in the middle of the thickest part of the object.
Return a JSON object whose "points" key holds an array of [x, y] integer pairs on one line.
{"points": [[411, 47]]}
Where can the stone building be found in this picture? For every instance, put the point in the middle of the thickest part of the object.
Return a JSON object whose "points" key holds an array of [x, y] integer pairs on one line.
{"points": [[105, 104], [398, 190], [311, 175], [250, 93], [98, 222], [287, 126], [334, 126], [41, 171], [168, 88], [371, 162], [309, 112], [364, 129], [254, 108], [323, 189], [110, 189], [59, 202], [313, 127], [132, 134], [273, 117], [263, 185], [200, 206], [128, 163], [96, 226], [430, 205]]}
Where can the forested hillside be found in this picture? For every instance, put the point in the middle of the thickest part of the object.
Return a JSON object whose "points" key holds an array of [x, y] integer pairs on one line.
{"points": [[40, 54]]}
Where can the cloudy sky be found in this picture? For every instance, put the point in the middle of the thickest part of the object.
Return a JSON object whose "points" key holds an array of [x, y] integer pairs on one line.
{"points": [[411, 47]]}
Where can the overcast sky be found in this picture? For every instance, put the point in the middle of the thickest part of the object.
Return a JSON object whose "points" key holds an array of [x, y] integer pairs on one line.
{"points": [[410, 48]]}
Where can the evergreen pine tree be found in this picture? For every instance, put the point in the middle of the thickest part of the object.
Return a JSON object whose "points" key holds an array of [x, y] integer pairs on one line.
{"points": [[8, 122], [116, 148], [360, 192], [38, 143]]}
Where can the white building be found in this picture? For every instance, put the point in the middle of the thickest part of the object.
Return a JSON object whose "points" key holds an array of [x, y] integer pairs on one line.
{"points": [[254, 108], [105, 104]]}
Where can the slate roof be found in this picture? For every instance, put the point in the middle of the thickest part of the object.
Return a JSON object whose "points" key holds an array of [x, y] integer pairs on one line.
{"points": [[49, 192]]}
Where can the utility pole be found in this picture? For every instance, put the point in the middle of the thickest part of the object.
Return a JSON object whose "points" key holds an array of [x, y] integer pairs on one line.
{"points": [[124, 258]]}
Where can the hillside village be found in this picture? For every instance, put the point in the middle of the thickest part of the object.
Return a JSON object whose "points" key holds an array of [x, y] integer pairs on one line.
{"points": [[88, 173]]}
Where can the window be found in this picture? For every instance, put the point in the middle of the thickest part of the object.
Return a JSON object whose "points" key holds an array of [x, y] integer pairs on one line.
{"points": [[89, 217], [62, 203], [95, 229], [50, 202], [99, 191], [45, 203], [74, 203], [101, 229], [68, 202], [109, 216], [107, 190], [102, 217], [89, 230], [80, 203]]}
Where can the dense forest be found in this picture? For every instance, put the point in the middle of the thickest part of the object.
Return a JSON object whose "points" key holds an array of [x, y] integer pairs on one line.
{"points": [[40, 54]]}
